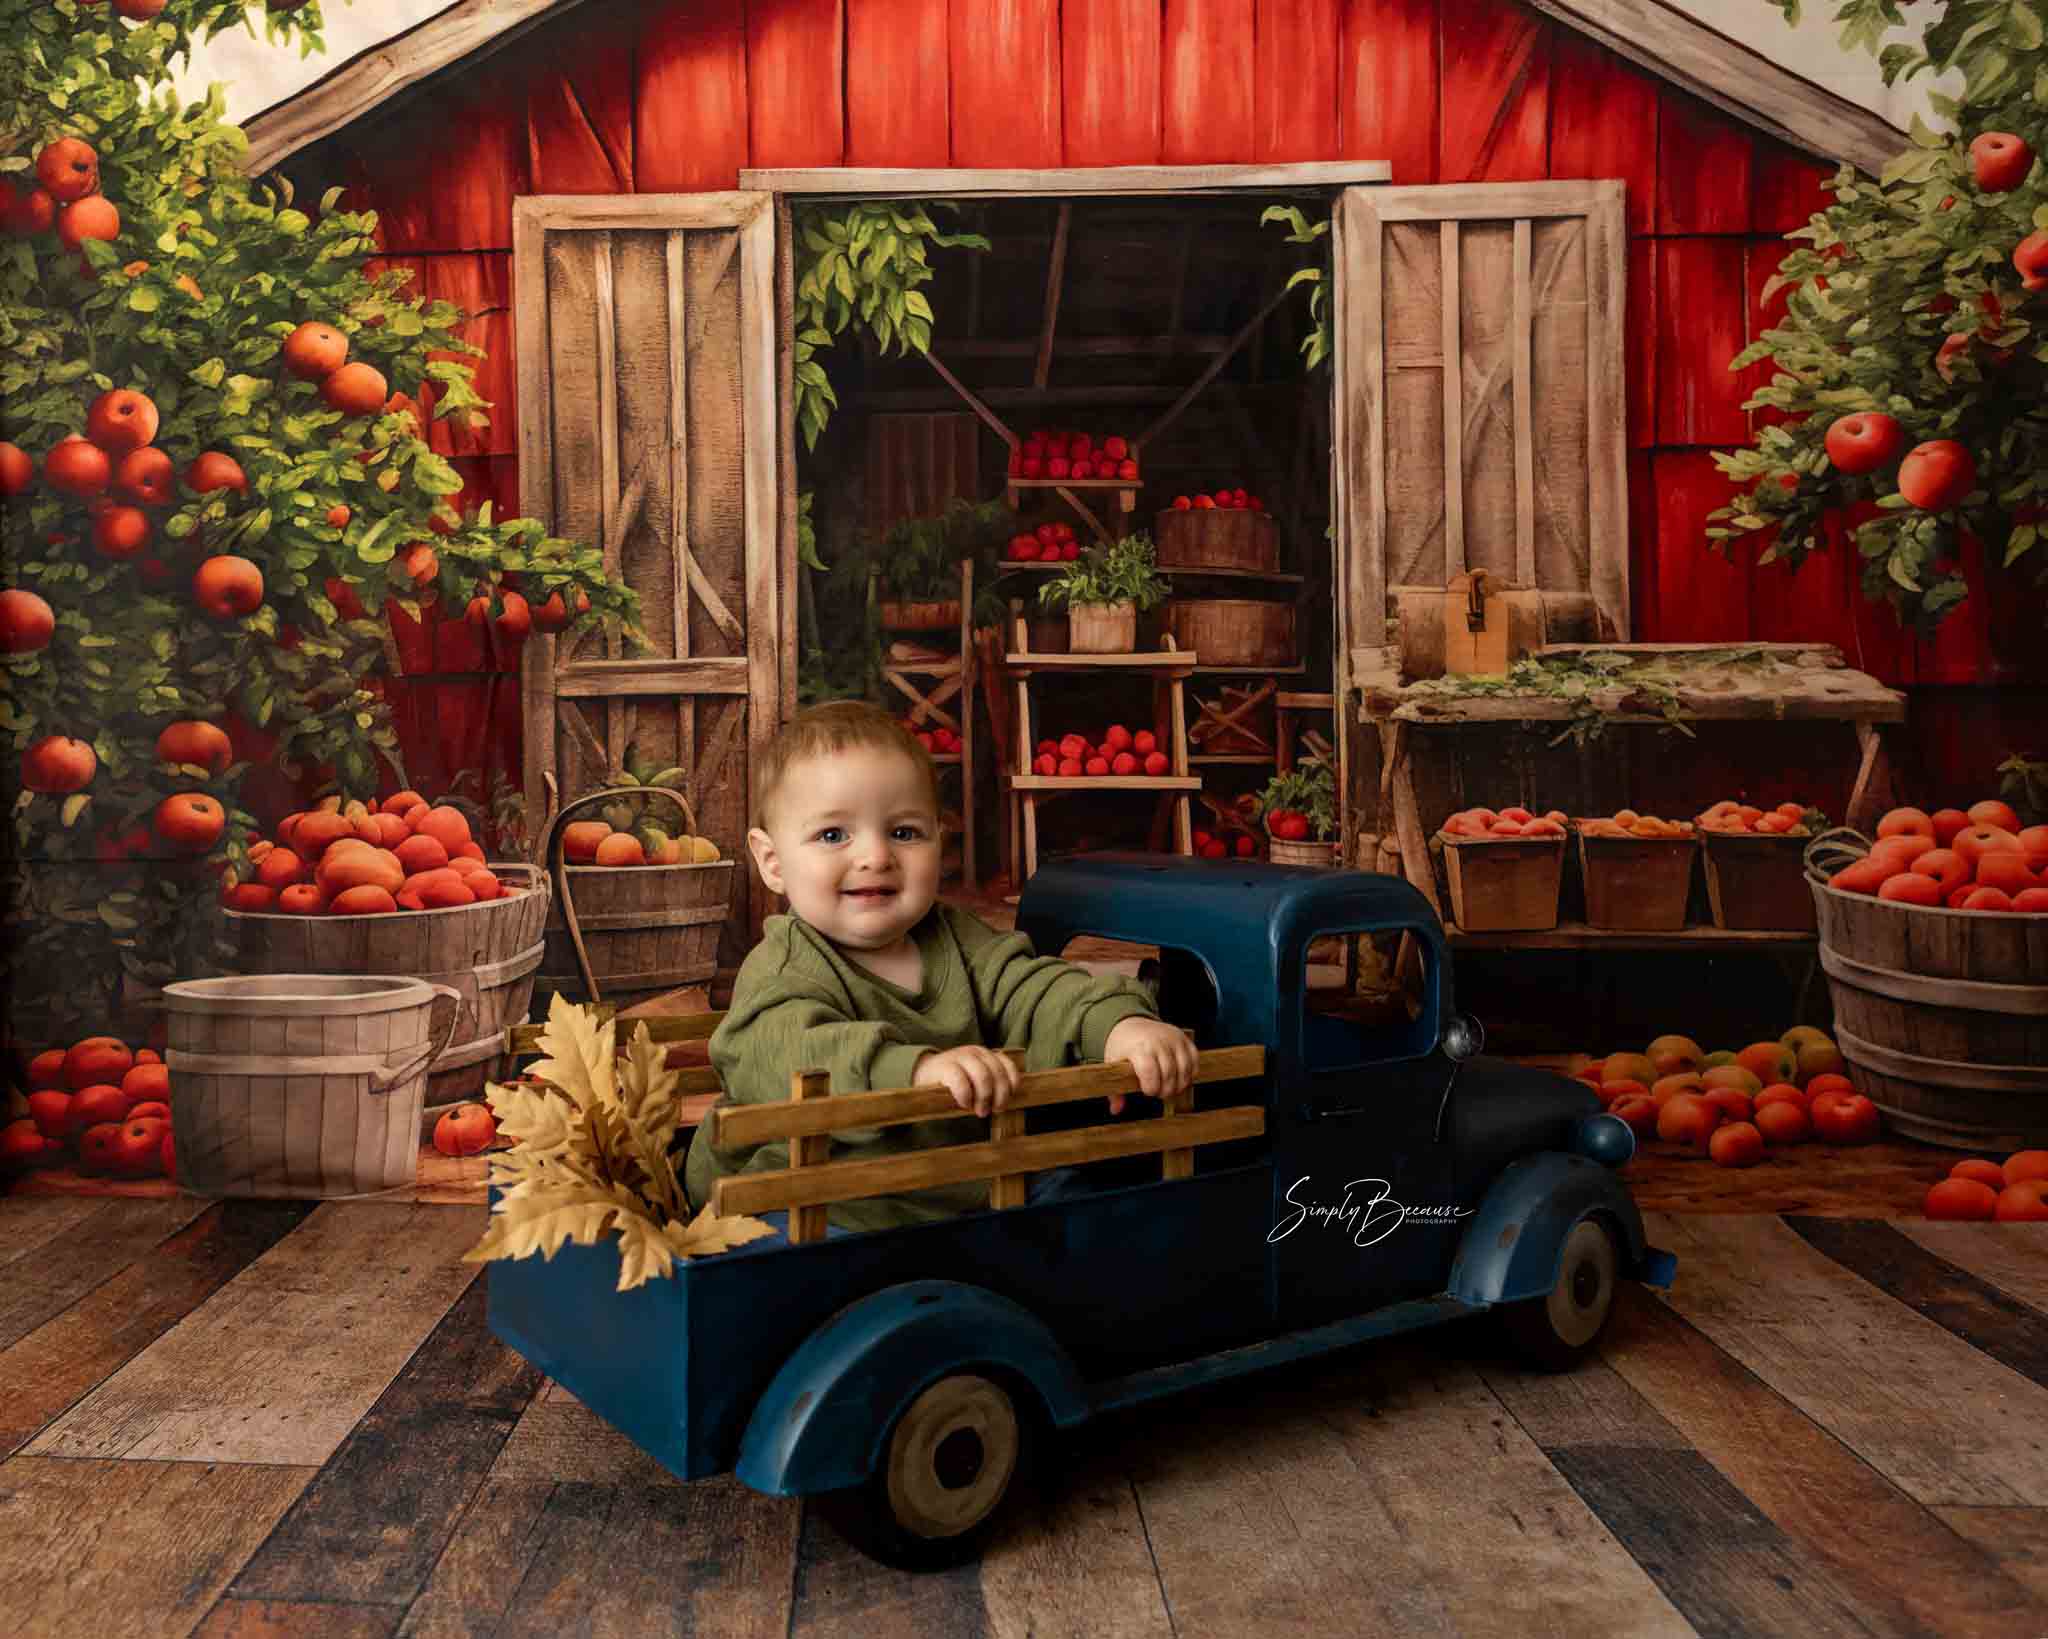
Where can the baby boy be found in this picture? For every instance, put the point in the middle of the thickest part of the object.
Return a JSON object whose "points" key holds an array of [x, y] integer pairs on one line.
{"points": [[873, 981]]}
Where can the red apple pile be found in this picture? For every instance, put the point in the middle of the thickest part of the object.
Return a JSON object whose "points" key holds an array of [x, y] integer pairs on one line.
{"points": [[1735, 1106], [1048, 543], [1507, 822], [1788, 819], [105, 1104], [1119, 752], [1209, 846], [365, 859], [1225, 500], [940, 741], [2013, 1191], [1067, 456], [1974, 859]]}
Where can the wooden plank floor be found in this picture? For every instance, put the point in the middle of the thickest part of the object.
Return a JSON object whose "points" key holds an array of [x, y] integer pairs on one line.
{"points": [[268, 1418]]}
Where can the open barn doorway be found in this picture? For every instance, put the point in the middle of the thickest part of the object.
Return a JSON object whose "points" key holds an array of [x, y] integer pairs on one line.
{"points": [[1167, 346]]}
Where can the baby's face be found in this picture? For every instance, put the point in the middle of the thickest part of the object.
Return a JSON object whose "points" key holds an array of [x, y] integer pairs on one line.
{"points": [[853, 841]]}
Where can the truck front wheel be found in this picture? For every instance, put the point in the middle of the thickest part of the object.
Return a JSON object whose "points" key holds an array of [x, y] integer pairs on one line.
{"points": [[953, 1455], [1559, 1330]]}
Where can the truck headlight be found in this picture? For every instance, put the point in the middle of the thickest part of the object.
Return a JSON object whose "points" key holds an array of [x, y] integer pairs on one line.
{"points": [[1604, 1138]]}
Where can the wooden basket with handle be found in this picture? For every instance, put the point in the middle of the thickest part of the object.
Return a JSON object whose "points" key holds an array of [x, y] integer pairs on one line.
{"points": [[487, 953], [627, 932], [302, 1085]]}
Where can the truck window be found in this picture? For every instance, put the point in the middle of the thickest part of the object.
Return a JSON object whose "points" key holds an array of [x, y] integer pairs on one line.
{"points": [[1179, 980], [1374, 1019]]}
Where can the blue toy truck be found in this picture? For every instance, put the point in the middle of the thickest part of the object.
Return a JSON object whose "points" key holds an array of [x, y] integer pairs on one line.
{"points": [[1388, 1177]]}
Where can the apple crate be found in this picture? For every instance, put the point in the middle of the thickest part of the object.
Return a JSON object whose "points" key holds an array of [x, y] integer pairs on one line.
{"points": [[1637, 884], [1757, 884], [1504, 884]]}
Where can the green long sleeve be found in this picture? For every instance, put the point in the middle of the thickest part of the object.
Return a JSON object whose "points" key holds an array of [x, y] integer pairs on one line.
{"points": [[800, 1004]]}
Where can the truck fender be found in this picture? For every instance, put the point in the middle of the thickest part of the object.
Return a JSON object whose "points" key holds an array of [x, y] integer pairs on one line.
{"points": [[820, 1423], [1513, 1247]]}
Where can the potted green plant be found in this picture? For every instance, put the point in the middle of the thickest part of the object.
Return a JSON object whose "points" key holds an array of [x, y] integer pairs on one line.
{"points": [[1104, 590], [918, 565], [1300, 811]]}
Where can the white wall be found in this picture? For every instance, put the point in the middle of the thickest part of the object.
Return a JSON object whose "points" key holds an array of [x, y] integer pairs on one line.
{"points": [[259, 75]]}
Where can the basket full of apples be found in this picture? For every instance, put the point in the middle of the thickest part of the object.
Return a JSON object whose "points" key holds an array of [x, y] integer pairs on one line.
{"points": [[629, 922], [1506, 868], [1934, 938], [397, 887], [1754, 860]]}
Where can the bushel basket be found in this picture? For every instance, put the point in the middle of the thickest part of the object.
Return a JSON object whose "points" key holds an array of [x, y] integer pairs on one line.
{"points": [[302, 1084], [1504, 884], [487, 953], [626, 932], [1942, 1015]]}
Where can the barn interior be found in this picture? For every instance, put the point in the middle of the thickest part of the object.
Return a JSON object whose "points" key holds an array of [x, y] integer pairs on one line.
{"points": [[1167, 321]]}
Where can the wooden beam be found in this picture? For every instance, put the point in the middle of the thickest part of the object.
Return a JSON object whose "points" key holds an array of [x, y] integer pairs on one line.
{"points": [[939, 398], [613, 679], [1745, 83], [873, 181], [1093, 347], [1521, 340], [465, 34], [1183, 260], [1215, 367], [994, 421], [1055, 276], [1454, 402]]}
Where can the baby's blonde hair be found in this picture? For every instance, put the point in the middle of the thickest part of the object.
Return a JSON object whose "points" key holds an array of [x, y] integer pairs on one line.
{"points": [[827, 730]]}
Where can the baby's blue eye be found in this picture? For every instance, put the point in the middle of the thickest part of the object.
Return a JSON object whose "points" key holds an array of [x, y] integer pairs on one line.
{"points": [[909, 833], [831, 833]]}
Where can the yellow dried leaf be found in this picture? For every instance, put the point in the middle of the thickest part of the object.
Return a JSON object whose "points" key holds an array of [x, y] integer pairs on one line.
{"points": [[579, 1052], [707, 1232]]}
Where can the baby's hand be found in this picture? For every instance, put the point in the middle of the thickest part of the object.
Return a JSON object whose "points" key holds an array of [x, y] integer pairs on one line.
{"points": [[1161, 1055], [979, 1079]]}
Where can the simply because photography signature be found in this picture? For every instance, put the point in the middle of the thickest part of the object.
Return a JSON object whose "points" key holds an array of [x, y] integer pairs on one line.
{"points": [[1368, 1211]]}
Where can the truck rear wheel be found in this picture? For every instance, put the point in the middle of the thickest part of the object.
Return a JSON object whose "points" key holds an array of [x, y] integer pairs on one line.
{"points": [[1559, 1330], [952, 1457]]}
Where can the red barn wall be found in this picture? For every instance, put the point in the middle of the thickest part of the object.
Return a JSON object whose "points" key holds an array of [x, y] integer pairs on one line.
{"points": [[679, 98]]}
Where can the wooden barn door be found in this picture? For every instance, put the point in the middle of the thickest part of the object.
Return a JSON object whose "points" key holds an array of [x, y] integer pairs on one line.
{"points": [[647, 330], [1480, 401]]}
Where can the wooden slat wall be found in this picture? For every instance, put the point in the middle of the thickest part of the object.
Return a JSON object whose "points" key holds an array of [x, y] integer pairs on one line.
{"points": [[680, 98], [917, 463]]}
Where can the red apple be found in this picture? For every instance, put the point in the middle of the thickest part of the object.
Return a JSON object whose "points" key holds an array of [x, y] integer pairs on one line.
{"points": [[1994, 813], [2030, 257], [1865, 441], [2000, 160], [1937, 475], [1851, 1119]]}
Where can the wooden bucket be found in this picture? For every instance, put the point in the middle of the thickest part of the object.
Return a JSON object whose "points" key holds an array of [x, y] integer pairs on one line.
{"points": [[929, 616], [1637, 884], [487, 953], [1233, 631], [301, 1084], [1102, 628], [1942, 1015], [1504, 884], [1218, 538], [1757, 883], [1321, 855], [627, 932]]}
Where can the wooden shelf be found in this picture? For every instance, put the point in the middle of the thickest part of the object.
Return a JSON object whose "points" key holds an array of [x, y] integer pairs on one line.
{"points": [[1164, 660], [1076, 483], [1247, 759], [1027, 566], [1233, 574], [1578, 936], [1295, 670], [1102, 782]]}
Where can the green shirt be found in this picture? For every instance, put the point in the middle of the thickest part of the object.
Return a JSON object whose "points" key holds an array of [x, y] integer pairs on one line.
{"points": [[800, 1004]]}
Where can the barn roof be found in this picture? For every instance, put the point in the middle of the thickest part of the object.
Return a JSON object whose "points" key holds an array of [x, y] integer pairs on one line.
{"points": [[1658, 37]]}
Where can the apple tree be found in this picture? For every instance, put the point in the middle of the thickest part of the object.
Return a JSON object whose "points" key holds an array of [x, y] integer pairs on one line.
{"points": [[214, 480], [1910, 363]]}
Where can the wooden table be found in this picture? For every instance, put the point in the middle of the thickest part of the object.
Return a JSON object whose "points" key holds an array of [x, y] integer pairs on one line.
{"points": [[1802, 683]]}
